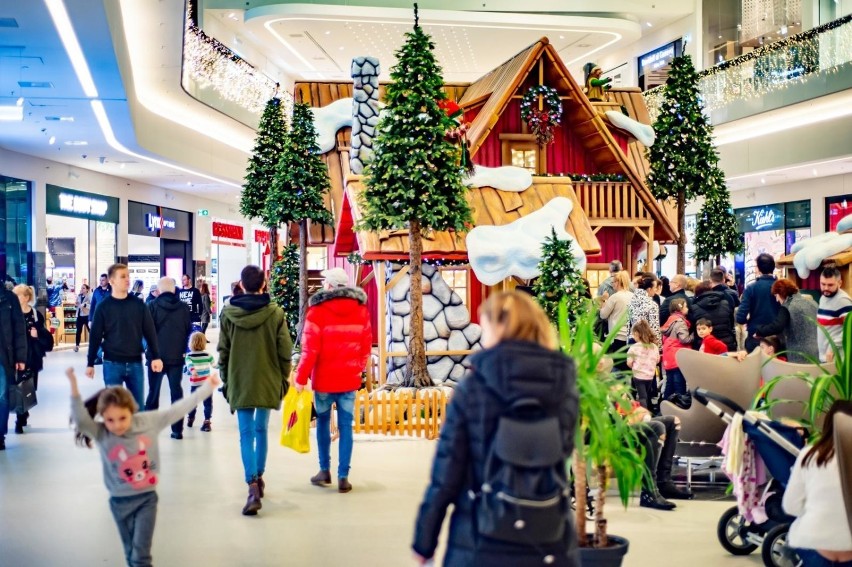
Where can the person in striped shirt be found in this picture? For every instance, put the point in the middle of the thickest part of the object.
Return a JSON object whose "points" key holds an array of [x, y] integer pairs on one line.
{"points": [[199, 366], [834, 305]]}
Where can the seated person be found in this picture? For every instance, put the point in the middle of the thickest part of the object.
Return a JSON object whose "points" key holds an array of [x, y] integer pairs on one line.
{"points": [[709, 343], [770, 346]]}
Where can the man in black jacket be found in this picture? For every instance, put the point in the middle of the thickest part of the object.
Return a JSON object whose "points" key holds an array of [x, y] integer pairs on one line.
{"points": [[678, 287], [717, 278], [191, 297], [13, 352], [758, 306], [171, 319]]}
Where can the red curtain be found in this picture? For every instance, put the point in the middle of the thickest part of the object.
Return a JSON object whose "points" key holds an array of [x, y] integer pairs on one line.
{"points": [[612, 240]]}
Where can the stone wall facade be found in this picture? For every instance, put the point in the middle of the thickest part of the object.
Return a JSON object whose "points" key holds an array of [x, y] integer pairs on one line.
{"points": [[446, 326], [365, 111]]}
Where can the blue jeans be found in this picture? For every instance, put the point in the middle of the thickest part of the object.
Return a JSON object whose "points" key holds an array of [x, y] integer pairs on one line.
{"points": [[129, 374], [810, 558], [208, 405], [155, 383], [675, 383], [254, 423], [135, 517], [345, 408], [4, 402]]}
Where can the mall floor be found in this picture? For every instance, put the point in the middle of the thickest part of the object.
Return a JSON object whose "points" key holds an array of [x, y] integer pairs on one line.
{"points": [[54, 510]]}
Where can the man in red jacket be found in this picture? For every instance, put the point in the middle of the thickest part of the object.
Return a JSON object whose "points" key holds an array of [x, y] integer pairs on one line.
{"points": [[336, 345]]}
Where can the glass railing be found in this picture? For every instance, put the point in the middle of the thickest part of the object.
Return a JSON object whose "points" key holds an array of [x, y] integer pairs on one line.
{"points": [[798, 59]]}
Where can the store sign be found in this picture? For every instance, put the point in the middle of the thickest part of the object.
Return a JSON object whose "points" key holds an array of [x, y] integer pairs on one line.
{"points": [[156, 223], [756, 219], [79, 204], [227, 230], [658, 58], [261, 236]]}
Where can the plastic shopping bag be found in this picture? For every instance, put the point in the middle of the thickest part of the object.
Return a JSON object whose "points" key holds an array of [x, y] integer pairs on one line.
{"points": [[296, 429]]}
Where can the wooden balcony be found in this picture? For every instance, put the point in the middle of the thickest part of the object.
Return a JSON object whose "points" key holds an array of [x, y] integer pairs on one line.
{"points": [[611, 201]]}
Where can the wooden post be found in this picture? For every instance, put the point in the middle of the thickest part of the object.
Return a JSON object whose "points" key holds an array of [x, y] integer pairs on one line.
{"points": [[379, 270]]}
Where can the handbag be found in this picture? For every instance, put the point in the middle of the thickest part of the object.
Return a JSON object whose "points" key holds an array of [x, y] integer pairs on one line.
{"points": [[22, 394]]}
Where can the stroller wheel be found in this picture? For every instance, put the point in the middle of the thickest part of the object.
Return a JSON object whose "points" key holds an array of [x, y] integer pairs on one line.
{"points": [[732, 532], [775, 552]]}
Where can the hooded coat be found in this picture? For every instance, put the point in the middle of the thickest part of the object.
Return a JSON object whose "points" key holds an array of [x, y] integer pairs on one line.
{"points": [[336, 341], [171, 319], [499, 376], [254, 352], [715, 306]]}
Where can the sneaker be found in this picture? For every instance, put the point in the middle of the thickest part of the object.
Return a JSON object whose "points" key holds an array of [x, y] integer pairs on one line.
{"points": [[343, 485], [190, 421], [177, 436], [671, 491], [206, 425], [253, 503], [321, 478], [261, 486], [76, 349], [655, 501]]}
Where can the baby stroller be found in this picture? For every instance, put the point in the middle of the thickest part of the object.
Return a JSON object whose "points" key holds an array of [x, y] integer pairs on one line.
{"points": [[778, 445]]}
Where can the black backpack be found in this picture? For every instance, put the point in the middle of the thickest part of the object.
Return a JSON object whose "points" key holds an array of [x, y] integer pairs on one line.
{"points": [[525, 495]]}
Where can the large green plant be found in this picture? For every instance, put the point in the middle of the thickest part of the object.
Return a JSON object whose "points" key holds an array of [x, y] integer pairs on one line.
{"points": [[833, 384], [605, 441]]}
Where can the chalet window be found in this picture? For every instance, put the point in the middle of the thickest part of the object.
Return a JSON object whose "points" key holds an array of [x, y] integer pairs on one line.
{"points": [[521, 150], [596, 274], [317, 257], [457, 279]]}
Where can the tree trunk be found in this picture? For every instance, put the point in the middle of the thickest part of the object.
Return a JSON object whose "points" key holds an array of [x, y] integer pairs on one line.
{"points": [[580, 496], [303, 275], [273, 245], [681, 232], [416, 374], [718, 260], [600, 521]]}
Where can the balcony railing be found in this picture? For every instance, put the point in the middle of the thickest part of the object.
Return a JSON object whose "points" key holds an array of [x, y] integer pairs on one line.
{"points": [[773, 67]]}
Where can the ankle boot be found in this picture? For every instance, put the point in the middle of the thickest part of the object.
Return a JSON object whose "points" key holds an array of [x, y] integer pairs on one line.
{"points": [[19, 427], [253, 501], [321, 478], [669, 489], [261, 486], [654, 500], [343, 485]]}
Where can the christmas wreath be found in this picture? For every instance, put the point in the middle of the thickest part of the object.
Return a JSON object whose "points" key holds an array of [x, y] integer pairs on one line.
{"points": [[542, 122]]}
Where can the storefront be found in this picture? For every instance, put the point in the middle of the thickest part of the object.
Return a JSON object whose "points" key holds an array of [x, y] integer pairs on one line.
{"points": [[654, 66], [772, 229], [159, 243], [80, 228], [228, 257], [17, 261], [836, 209]]}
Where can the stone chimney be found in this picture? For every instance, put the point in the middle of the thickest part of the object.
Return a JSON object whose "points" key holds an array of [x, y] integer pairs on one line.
{"points": [[365, 111]]}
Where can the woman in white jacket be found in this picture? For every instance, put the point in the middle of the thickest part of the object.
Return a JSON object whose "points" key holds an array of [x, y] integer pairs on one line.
{"points": [[821, 534]]}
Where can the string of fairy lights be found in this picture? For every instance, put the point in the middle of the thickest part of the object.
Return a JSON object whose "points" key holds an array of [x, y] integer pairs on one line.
{"points": [[773, 67], [211, 64]]}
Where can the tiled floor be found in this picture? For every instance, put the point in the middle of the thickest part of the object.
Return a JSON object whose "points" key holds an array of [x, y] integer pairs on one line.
{"points": [[54, 511]]}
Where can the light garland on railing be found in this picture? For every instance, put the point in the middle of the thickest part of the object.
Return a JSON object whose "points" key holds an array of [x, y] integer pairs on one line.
{"points": [[211, 64], [773, 67]]}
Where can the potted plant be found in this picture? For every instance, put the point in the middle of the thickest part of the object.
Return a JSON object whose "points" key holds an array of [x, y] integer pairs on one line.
{"points": [[605, 442]]}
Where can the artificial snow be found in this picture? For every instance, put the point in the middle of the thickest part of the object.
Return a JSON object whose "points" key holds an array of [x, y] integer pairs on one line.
{"points": [[811, 252], [329, 119], [642, 132], [514, 249], [506, 178], [845, 224]]}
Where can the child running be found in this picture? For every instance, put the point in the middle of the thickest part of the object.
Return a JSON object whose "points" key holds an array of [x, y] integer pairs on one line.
{"points": [[127, 441], [199, 365], [642, 358]]}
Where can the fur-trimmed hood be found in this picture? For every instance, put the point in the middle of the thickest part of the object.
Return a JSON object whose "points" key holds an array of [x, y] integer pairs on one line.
{"points": [[357, 294]]}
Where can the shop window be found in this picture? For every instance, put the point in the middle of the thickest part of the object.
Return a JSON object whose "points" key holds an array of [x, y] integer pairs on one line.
{"points": [[317, 257], [458, 280], [836, 209], [521, 150], [15, 214]]}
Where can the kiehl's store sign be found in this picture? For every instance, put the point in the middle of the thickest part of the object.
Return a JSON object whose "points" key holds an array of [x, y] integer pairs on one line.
{"points": [[80, 204]]}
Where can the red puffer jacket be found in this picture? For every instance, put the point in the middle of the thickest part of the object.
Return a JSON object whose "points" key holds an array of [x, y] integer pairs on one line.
{"points": [[336, 341]]}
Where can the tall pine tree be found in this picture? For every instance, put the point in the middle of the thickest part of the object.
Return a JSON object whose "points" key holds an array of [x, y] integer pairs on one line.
{"points": [[415, 178], [716, 228], [268, 146], [284, 286], [301, 180], [684, 161], [560, 279]]}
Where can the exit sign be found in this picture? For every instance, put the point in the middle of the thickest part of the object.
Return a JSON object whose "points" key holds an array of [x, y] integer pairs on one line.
{"points": [[203, 212]]}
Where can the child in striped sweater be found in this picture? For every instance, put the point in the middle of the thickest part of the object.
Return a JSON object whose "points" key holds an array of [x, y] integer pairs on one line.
{"points": [[199, 365]]}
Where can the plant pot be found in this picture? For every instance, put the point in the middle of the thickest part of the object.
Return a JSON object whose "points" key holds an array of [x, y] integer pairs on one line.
{"points": [[610, 556]]}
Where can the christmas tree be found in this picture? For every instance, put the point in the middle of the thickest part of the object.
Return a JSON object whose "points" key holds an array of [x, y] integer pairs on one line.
{"points": [[560, 279], [684, 161], [414, 181], [268, 146], [284, 286], [298, 189], [716, 228]]}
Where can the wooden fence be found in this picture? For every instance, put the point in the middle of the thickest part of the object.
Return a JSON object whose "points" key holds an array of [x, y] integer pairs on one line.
{"points": [[401, 412]]}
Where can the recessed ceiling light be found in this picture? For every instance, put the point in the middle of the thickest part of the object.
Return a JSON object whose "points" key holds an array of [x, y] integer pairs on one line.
{"points": [[649, 24], [60, 118], [763, 180], [341, 48], [814, 172], [584, 45], [52, 140], [76, 143], [561, 37], [20, 101], [327, 32]]}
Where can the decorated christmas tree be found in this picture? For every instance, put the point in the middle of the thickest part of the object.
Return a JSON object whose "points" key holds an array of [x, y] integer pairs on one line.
{"points": [[684, 161], [560, 279], [284, 286], [716, 229], [268, 146], [296, 195], [414, 181]]}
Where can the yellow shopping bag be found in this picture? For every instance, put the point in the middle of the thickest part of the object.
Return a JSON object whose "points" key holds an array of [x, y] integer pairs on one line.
{"points": [[295, 432]]}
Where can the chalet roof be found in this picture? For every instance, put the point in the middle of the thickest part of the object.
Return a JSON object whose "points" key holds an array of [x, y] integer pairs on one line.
{"points": [[490, 207]]}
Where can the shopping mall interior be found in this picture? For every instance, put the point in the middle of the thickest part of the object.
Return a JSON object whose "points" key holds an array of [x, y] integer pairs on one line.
{"points": [[134, 132]]}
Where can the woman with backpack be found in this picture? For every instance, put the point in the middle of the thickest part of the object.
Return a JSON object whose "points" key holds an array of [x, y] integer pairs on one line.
{"points": [[520, 382]]}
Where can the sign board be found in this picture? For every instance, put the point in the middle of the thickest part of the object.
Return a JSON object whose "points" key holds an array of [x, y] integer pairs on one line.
{"points": [[228, 233], [80, 204], [261, 236], [756, 219], [203, 212], [161, 222]]}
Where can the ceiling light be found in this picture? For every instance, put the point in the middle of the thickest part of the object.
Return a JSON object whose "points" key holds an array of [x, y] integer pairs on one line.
{"points": [[35, 84], [20, 101], [814, 171], [763, 181], [72, 46], [11, 113], [561, 37], [233, 16], [341, 48], [60, 118], [122, 165], [52, 140], [327, 32], [649, 24], [76, 143]]}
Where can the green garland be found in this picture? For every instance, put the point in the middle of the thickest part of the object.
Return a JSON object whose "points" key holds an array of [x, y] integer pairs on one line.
{"points": [[542, 122]]}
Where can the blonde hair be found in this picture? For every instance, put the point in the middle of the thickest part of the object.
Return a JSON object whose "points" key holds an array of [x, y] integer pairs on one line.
{"points": [[622, 278], [24, 289], [691, 284], [197, 341], [520, 317]]}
